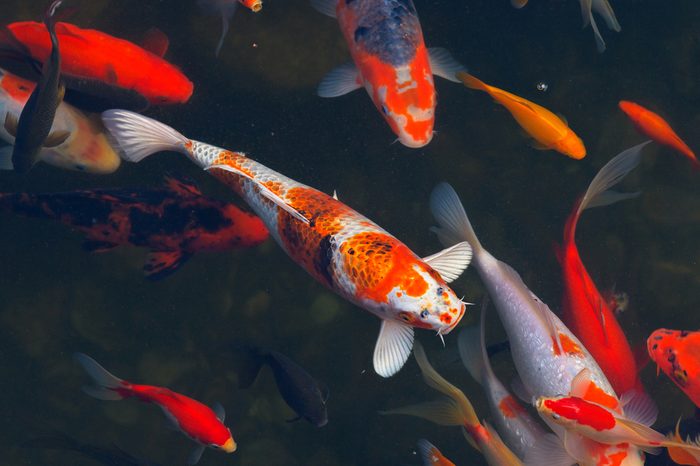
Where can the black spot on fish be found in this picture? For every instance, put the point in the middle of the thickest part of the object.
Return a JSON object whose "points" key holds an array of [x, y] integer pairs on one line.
{"points": [[654, 346], [322, 261], [211, 219], [360, 33], [684, 333]]}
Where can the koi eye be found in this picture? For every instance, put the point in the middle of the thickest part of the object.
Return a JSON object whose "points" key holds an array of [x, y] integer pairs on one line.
{"points": [[424, 314]]}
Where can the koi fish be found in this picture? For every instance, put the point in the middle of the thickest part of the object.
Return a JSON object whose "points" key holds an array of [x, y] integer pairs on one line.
{"points": [[457, 410], [100, 69], [431, 455], [584, 309], [683, 455], [391, 62], [174, 222], [676, 353], [519, 430], [85, 148], [603, 8], [33, 129], [548, 131], [194, 419], [336, 245], [227, 8], [652, 125], [546, 354]]}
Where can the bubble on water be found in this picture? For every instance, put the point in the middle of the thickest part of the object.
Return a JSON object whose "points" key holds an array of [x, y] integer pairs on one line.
{"points": [[542, 86]]}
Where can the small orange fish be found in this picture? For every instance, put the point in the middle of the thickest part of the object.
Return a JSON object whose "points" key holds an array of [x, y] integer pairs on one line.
{"points": [[431, 455], [676, 353], [682, 455], [655, 127], [548, 130]]}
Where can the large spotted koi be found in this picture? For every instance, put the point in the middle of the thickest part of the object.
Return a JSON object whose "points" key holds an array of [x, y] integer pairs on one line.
{"points": [[339, 247], [391, 62], [677, 353]]}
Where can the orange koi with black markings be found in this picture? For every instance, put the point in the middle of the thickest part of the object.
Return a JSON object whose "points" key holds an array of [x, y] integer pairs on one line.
{"points": [[677, 354], [174, 222]]}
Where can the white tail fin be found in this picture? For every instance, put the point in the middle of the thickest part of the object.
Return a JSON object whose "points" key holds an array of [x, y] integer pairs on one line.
{"points": [[139, 136], [472, 348], [603, 8], [450, 215], [105, 383]]}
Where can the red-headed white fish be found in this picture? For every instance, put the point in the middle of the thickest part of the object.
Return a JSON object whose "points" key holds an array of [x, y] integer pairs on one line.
{"points": [[196, 420], [339, 247], [391, 62]]}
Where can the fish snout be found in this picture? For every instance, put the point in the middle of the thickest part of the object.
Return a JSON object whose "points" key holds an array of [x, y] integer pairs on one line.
{"points": [[229, 446]]}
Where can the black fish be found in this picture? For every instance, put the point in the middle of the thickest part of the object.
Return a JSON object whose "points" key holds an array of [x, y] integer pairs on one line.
{"points": [[304, 394], [33, 130]]}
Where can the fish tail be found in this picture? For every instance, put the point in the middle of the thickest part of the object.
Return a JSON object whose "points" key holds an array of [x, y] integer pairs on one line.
{"points": [[428, 452], [107, 386], [454, 226], [472, 82], [472, 348], [252, 361], [138, 136]]}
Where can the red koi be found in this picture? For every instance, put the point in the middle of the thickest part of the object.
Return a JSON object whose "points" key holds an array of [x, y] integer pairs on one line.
{"points": [[677, 354]]}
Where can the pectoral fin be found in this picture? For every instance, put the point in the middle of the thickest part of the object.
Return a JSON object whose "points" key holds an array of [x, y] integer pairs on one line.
{"points": [[196, 455], [11, 122], [452, 261], [160, 264], [340, 81], [393, 347], [219, 411], [443, 64]]}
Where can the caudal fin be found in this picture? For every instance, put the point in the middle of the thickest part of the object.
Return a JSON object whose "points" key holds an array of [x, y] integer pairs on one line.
{"points": [[472, 348], [106, 385], [472, 82], [139, 136], [454, 226], [430, 454]]}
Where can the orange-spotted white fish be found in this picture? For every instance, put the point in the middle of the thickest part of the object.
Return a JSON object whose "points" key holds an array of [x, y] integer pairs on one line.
{"points": [[227, 8], [603, 8], [513, 422], [82, 141], [391, 62], [549, 131], [457, 410], [546, 354], [339, 247], [430, 454], [196, 420]]}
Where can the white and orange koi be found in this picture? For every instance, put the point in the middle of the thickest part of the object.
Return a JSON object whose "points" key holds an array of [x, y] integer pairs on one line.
{"points": [[339, 247], [391, 62]]}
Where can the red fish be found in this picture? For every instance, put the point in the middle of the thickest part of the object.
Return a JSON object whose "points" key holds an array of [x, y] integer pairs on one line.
{"points": [[107, 70], [174, 222], [653, 126], [677, 353], [585, 311], [196, 420]]}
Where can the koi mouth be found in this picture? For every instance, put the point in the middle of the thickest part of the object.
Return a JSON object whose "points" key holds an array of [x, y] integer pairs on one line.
{"points": [[456, 320]]}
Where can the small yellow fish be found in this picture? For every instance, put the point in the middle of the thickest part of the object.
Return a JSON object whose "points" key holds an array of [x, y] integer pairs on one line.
{"points": [[548, 130]]}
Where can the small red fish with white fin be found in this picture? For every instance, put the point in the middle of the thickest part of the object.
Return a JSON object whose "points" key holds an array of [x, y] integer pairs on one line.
{"points": [[340, 248], [196, 420]]}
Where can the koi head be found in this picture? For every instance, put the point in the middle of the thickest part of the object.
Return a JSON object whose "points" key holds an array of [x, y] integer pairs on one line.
{"points": [[253, 5], [572, 146], [225, 441], [573, 412], [675, 353]]}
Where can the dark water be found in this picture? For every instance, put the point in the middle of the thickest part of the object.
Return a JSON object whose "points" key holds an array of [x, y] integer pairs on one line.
{"points": [[57, 299]]}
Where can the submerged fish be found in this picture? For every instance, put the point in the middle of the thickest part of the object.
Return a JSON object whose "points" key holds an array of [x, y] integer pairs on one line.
{"points": [[340, 248], [174, 222], [227, 8], [103, 71], [301, 391], [546, 354], [431, 456], [548, 130], [655, 127], [194, 419], [86, 148], [584, 309], [33, 128], [391, 62], [677, 354], [603, 8]]}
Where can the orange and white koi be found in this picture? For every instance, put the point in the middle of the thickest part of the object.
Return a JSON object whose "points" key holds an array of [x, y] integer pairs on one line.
{"points": [[339, 247], [391, 62], [227, 8], [196, 420], [676, 353], [430, 454], [457, 410], [549, 131], [546, 354], [83, 142]]}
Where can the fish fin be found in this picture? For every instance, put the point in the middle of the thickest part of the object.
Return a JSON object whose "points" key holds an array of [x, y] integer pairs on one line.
{"points": [[156, 42], [56, 138], [518, 3], [639, 407], [598, 194], [537, 145], [472, 347], [428, 452], [548, 450], [451, 262], [563, 118], [105, 383], [340, 81], [61, 93], [11, 122], [6, 158], [225, 25], [443, 412], [580, 383], [393, 347], [470, 439], [98, 246], [139, 136], [599, 42], [264, 191], [454, 226], [603, 8], [335, 195], [327, 7], [640, 429], [183, 185], [472, 82], [219, 410], [160, 264], [443, 64], [576, 445], [196, 455], [518, 388]]}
